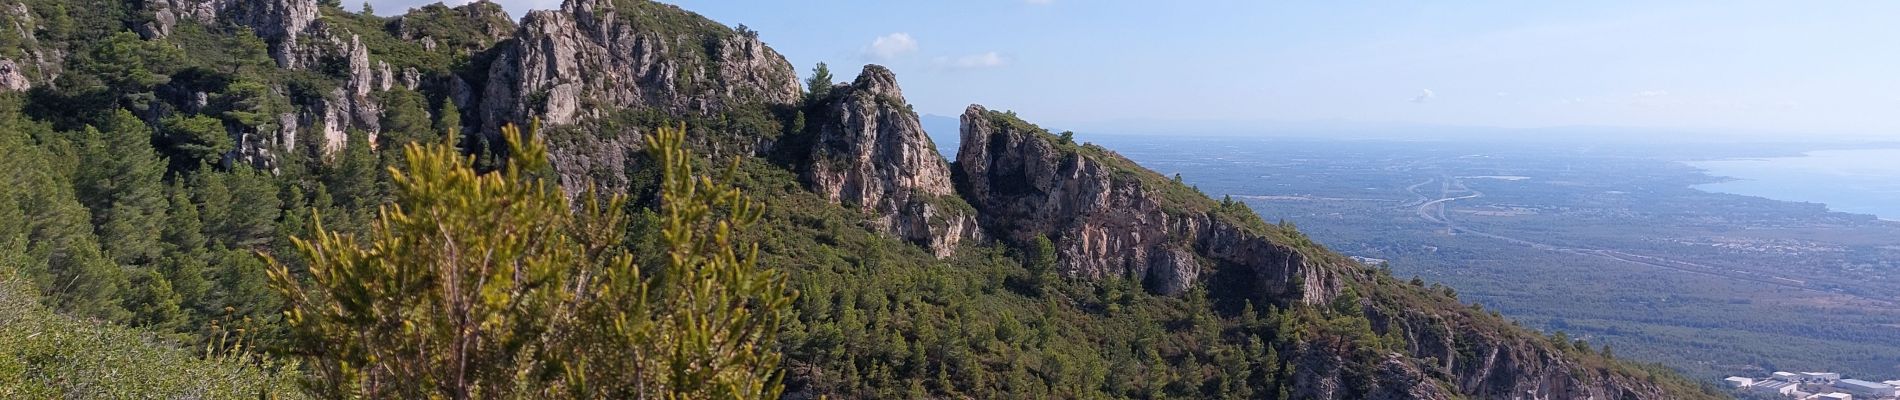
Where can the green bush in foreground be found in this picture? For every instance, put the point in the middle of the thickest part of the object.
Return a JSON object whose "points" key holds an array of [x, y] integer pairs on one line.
{"points": [[489, 285], [44, 355]]}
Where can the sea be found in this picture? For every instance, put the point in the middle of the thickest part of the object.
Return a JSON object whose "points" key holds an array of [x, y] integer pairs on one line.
{"points": [[1862, 181]]}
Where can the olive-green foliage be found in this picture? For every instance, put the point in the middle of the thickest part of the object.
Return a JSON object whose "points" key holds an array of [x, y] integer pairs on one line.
{"points": [[819, 85], [105, 236], [44, 355], [476, 285], [1041, 263], [456, 27], [123, 70], [185, 267], [251, 105], [706, 323], [405, 119], [196, 138], [1174, 196], [878, 317], [121, 184], [354, 174], [57, 249]]}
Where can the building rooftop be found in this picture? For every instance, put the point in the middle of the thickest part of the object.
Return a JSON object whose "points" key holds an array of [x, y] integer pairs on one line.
{"points": [[1863, 384], [1773, 385]]}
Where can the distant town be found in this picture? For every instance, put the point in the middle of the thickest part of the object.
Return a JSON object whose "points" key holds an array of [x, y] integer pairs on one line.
{"points": [[1815, 386]]}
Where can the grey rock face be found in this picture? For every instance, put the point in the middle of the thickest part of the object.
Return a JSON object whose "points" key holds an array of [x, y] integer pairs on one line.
{"points": [[353, 106], [298, 39], [1320, 374], [288, 25], [487, 20], [35, 63], [1474, 358], [590, 57], [11, 78], [1106, 223], [870, 152]]}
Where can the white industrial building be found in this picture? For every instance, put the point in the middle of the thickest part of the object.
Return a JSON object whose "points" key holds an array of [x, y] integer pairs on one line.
{"points": [[1864, 388], [1739, 382], [1821, 377], [1783, 388], [1831, 396], [1786, 376]]}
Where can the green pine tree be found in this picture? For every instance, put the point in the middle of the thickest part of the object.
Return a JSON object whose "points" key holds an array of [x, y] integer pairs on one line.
{"points": [[195, 139], [120, 181], [61, 254], [185, 266], [490, 285], [820, 82]]}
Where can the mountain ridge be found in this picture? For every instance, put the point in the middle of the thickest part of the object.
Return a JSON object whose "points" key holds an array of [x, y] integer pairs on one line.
{"points": [[1225, 303]]}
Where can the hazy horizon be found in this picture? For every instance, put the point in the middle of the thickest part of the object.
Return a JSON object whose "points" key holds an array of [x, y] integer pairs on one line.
{"points": [[1786, 70]]}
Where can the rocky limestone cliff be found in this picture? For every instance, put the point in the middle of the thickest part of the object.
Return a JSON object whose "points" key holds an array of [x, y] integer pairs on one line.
{"points": [[593, 57], [289, 26], [870, 152], [299, 38], [1323, 373], [469, 28], [29, 62], [1476, 357], [1111, 218]]}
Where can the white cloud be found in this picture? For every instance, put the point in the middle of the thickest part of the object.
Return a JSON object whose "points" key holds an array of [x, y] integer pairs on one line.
{"points": [[1424, 97], [984, 60], [890, 46], [1653, 99]]}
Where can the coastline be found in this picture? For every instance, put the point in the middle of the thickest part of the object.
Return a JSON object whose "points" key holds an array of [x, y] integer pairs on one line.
{"points": [[1838, 179]]}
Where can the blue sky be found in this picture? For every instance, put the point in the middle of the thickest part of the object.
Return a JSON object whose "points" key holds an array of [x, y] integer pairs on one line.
{"points": [[1769, 68]]}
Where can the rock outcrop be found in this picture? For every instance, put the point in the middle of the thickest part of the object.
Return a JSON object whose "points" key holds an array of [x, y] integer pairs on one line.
{"points": [[31, 62], [469, 28], [862, 147], [870, 152], [593, 57], [353, 105], [1475, 356], [1111, 218], [1324, 373], [290, 26], [298, 39], [11, 78]]}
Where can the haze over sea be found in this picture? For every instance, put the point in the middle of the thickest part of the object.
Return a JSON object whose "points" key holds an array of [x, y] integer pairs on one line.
{"points": [[1862, 181]]}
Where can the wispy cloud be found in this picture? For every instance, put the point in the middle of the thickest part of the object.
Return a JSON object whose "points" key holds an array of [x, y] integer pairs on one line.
{"points": [[1652, 99], [984, 60], [890, 46], [1427, 95]]}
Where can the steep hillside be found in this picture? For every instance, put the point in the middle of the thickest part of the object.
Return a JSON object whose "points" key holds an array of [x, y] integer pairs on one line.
{"points": [[46, 355], [1111, 219], [1032, 267], [868, 151], [593, 57]]}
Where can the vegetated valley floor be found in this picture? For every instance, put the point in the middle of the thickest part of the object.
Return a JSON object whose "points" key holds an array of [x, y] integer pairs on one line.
{"points": [[1608, 243]]}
